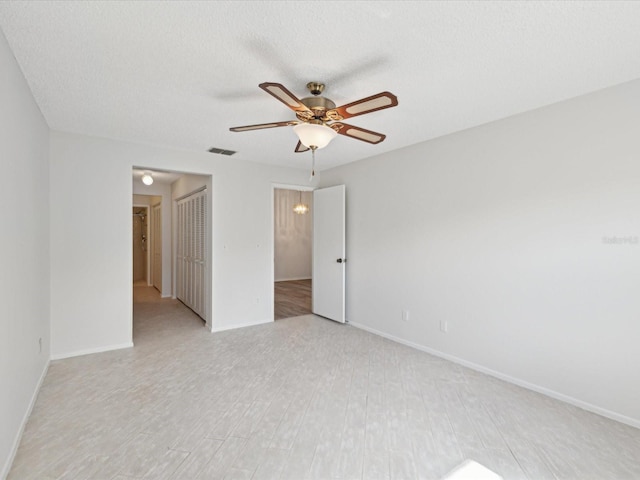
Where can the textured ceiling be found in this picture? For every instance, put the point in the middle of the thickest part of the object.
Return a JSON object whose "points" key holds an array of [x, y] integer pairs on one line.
{"points": [[179, 74]]}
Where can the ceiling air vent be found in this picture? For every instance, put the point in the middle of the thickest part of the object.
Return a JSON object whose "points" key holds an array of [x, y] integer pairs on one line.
{"points": [[221, 151]]}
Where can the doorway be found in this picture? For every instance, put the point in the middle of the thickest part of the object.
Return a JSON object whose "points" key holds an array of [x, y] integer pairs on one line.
{"points": [[147, 241], [170, 281], [140, 246], [293, 249]]}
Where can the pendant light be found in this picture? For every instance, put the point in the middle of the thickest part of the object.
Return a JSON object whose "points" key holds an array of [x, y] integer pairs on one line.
{"points": [[300, 208]]}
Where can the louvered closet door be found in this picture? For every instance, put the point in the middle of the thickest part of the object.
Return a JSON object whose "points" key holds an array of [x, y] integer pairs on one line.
{"points": [[191, 286]]}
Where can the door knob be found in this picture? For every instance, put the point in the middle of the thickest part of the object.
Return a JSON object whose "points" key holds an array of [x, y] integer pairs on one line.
{"points": [[341, 260]]}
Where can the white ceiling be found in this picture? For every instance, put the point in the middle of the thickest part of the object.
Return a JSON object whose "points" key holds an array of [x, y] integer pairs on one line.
{"points": [[179, 74]]}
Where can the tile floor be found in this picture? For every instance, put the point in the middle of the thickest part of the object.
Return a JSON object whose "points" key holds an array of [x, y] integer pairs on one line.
{"points": [[301, 398]]}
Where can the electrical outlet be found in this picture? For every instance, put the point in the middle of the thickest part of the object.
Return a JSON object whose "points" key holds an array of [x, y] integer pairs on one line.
{"points": [[444, 326], [405, 315]]}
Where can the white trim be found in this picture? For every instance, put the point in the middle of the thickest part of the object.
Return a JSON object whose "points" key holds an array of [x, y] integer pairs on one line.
{"points": [[151, 245], [23, 424], [292, 279], [507, 378], [233, 327], [289, 186], [89, 351]]}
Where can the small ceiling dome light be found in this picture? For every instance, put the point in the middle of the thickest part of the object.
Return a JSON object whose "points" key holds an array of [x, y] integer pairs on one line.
{"points": [[314, 135], [300, 208], [147, 179]]}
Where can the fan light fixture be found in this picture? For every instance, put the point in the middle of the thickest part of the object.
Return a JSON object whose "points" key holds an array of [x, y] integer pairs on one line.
{"points": [[147, 179], [300, 208], [313, 113], [314, 135]]}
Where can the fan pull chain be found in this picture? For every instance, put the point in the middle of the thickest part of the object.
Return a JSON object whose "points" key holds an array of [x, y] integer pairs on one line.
{"points": [[313, 163]]}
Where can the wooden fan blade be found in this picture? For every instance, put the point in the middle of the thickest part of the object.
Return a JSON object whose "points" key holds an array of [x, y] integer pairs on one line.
{"points": [[358, 133], [285, 96], [373, 103], [262, 126], [300, 147]]}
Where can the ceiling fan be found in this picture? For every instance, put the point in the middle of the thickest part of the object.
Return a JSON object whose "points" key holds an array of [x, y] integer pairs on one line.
{"points": [[314, 114]]}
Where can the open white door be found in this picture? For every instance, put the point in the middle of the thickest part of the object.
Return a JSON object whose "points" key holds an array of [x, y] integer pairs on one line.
{"points": [[329, 253]]}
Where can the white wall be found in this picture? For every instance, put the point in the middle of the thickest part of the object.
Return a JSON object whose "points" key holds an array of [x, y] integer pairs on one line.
{"points": [[145, 199], [292, 235], [161, 191], [498, 230], [24, 282], [91, 254], [188, 184]]}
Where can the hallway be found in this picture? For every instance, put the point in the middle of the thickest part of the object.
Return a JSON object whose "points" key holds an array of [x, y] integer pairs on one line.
{"points": [[157, 319]]}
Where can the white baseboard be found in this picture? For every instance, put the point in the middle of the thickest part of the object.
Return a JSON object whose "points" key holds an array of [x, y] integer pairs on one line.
{"points": [[292, 279], [107, 348], [507, 378], [23, 424], [233, 327]]}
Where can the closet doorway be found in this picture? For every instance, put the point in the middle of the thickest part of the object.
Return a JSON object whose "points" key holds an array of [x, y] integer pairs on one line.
{"points": [[293, 249], [191, 264]]}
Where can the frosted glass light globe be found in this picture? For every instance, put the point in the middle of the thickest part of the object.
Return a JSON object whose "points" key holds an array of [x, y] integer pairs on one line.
{"points": [[147, 179]]}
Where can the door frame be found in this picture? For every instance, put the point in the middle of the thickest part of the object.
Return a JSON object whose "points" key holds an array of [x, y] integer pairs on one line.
{"points": [[280, 186]]}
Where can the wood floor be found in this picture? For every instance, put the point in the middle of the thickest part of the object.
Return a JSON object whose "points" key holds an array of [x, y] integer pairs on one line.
{"points": [[302, 398], [292, 298]]}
